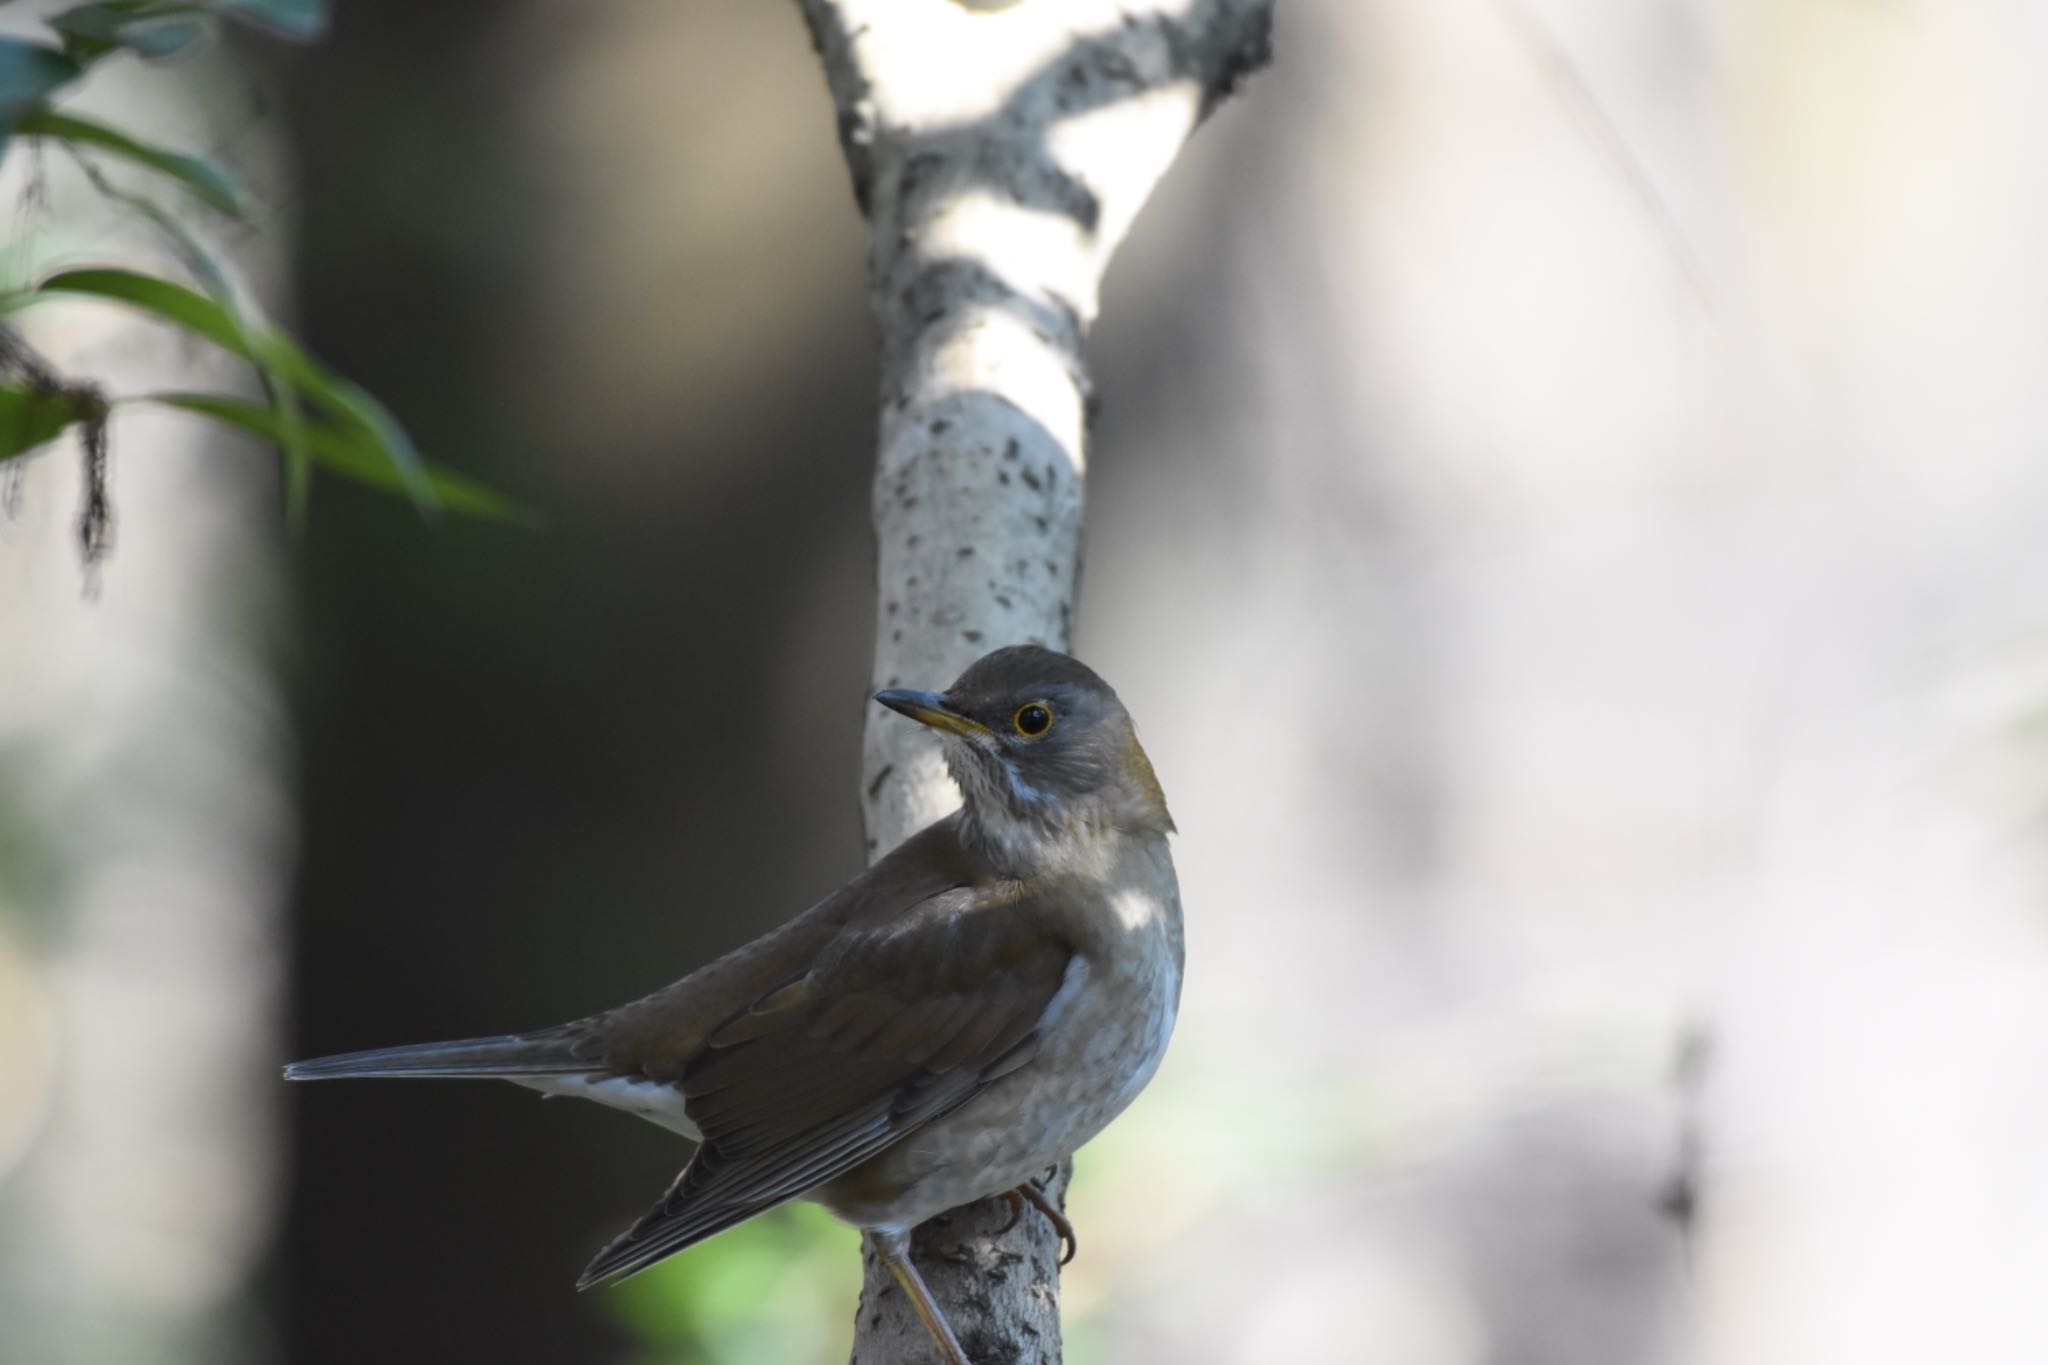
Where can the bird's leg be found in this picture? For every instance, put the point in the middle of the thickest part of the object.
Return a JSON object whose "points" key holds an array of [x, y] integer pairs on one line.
{"points": [[1030, 1193], [894, 1249]]}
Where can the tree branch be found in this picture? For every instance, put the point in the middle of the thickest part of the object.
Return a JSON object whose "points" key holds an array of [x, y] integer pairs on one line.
{"points": [[999, 157]]}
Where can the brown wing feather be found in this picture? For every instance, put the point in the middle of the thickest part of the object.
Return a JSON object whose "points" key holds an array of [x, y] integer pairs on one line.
{"points": [[902, 1018], [654, 1038]]}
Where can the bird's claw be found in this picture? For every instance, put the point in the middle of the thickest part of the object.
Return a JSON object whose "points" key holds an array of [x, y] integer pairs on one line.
{"points": [[1030, 1193]]}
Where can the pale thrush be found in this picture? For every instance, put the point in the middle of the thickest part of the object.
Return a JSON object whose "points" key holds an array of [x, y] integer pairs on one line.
{"points": [[960, 1016]]}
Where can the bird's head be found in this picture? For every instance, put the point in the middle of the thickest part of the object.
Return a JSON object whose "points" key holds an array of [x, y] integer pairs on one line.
{"points": [[1035, 738]]}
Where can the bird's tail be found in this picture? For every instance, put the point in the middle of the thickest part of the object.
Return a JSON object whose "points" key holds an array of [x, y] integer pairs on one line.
{"points": [[552, 1052]]}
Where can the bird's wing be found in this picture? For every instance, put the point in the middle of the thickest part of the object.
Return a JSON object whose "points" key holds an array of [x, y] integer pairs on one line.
{"points": [[899, 1020], [653, 1038]]}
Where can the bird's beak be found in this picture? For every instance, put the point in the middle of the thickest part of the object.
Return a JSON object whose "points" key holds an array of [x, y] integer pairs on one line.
{"points": [[929, 708]]}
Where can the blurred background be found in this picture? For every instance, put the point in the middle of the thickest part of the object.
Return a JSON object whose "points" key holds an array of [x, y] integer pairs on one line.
{"points": [[1569, 512]]}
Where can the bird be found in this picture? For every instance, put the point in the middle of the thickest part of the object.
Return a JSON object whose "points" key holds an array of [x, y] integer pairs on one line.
{"points": [[977, 1004]]}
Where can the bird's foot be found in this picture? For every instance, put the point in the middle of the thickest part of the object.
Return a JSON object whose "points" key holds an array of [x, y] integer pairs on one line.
{"points": [[894, 1250], [1030, 1193]]}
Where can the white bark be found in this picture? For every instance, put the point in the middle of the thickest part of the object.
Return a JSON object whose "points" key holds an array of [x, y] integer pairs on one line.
{"points": [[1000, 156]]}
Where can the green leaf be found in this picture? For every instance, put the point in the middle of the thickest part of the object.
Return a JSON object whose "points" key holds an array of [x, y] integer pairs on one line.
{"points": [[298, 21], [173, 303], [29, 417], [356, 405], [345, 453], [270, 350], [203, 178], [284, 362], [294, 443], [222, 316], [29, 74], [149, 28]]}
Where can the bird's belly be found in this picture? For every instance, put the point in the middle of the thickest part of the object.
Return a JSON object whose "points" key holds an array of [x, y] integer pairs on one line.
{"points": [[1093, 1061]]}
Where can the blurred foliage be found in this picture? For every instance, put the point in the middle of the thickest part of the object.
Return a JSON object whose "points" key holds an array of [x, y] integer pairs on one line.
{"points": [[774, 1288], [314, 416], [779, 1287]]}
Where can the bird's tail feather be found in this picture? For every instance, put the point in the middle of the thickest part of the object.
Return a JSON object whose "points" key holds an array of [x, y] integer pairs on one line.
{"points": [[551, 1053]]}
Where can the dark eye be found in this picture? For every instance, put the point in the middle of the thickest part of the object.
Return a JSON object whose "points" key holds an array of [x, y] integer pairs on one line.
{"points": [[1032, 719]]}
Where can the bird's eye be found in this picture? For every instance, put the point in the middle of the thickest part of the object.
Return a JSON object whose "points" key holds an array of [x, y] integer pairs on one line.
{"points": [[1032, 719]]}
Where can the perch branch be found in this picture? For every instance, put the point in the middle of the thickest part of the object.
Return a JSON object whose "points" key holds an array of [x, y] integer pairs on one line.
{"points": [[999, 156]]}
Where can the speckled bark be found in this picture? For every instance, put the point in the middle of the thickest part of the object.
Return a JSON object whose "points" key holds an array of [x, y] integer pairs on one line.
{"points": [[999, 154]]}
